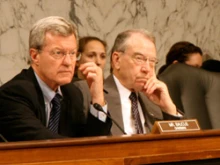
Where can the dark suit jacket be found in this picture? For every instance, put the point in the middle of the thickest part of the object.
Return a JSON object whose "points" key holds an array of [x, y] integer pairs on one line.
{"points": [[22, 111], [151, 111]]}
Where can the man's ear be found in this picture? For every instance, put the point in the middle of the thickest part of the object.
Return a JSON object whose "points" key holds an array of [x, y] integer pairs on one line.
{"points": [[116, 60], [34, 53], [78, 58]]}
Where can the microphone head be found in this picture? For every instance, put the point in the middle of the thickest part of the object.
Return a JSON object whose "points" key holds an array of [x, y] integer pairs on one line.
{"points": [[97, 106]]}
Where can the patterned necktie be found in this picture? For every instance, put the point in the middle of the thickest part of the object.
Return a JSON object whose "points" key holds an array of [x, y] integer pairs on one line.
{"points": [[135, 112], [55, 113]]}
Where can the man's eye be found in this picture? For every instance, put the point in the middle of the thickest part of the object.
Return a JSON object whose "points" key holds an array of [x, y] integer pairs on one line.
{"points": [[72, 53], [153, 60], [139, 58], [57, 52]]}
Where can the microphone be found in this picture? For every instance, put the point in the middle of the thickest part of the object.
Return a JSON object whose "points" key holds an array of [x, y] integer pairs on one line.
{"points": [[2, 139], [99, 108]]}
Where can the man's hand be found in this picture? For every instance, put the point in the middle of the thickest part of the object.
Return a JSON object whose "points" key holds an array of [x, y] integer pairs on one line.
{"points": [[158, 93], [94, 77]]}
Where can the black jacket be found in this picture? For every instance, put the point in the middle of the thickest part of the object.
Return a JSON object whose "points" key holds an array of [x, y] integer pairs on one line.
{"points": [[22, 112]]}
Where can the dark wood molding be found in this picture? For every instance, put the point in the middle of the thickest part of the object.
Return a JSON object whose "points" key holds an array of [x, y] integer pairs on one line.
{"points": [[136, 149]]}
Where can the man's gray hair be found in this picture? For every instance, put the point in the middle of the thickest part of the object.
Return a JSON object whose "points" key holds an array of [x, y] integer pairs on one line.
{"points": [[121, 41], [53, 24]]}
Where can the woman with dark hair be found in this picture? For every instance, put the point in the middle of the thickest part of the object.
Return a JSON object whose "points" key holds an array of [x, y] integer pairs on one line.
{"points": [[91, 49], [183, 52]]}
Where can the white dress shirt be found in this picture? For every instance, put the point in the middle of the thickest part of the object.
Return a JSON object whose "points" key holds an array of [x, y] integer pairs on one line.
{"points": [[128, 121]]}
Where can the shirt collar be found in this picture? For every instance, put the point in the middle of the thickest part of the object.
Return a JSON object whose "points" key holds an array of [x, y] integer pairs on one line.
{"points": [[123, 91], [47, 91]]}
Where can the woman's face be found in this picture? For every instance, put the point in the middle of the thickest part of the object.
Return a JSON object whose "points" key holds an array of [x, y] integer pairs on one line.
{"points": [[94, 51], [195, 59]]}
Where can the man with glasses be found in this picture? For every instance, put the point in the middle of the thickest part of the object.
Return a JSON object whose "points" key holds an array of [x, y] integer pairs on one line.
{"points": [[136, 98], [41, 102]]}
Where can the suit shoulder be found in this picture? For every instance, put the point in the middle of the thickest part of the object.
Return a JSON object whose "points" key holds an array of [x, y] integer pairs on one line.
{"points": [[16, 86], [23, 86]]}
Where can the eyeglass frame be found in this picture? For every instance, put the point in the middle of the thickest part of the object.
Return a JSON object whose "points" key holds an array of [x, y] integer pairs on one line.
{"points": [[56, 56], [152, 60]]}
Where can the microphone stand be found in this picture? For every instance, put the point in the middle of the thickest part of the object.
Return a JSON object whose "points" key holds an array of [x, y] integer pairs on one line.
{"points": [[99, 108], [1, 137]]}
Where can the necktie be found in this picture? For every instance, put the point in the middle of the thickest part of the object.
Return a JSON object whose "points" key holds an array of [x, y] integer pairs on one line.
{"points": [[135, 112], [55, 113]]}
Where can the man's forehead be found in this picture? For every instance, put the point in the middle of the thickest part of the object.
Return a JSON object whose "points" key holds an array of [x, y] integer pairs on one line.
{"points": [[142, 49], [139, 40]]}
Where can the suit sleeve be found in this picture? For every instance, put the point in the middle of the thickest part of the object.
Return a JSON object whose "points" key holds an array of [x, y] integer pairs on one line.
{"points": [[167, 116], [95, 127]]}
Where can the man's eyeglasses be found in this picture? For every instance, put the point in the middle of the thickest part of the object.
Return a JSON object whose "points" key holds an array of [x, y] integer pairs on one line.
{"points": [[60, 54], [141, 60]]}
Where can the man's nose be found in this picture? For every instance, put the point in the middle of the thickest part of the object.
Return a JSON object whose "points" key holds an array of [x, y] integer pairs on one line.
{"points": [[67, 59], [146, 67]]}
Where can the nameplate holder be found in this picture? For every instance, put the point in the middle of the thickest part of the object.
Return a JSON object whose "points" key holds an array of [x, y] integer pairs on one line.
{"points": [[172, 126]]}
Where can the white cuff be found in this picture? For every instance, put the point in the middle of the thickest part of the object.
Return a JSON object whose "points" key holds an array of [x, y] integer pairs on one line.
{"points": [[98, 114]]}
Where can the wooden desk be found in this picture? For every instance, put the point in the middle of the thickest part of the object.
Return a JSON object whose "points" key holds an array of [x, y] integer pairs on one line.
{"points": [[138, 149]]}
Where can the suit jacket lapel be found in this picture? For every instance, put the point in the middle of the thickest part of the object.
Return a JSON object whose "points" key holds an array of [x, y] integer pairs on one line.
{"points": [[114, 104], [29, 74], [151, 111]]}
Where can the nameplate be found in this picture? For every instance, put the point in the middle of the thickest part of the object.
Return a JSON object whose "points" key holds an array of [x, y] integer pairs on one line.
{"points": [[172, 126]]}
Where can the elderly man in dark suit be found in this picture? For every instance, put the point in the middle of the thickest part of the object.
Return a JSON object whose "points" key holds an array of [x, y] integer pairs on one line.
{"points": [[136, 98], [40, 102]]}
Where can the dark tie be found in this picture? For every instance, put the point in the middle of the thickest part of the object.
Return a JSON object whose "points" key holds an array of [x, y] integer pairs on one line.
{"points": [[55, 113], [135, 113]]}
